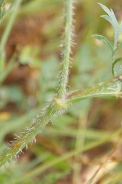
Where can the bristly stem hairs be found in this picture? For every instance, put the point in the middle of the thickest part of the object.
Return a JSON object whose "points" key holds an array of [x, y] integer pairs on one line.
{"points": [[66, 47], [62, 99]]}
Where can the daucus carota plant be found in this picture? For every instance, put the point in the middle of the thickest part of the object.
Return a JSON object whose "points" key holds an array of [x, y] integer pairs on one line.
{"points": [[110, 17], [63, 99]]}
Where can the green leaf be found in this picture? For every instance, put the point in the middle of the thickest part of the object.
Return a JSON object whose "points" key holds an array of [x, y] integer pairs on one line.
{"points": [[113, 65], [106, 17], [121, 26], [103, 39], [105, 8], [119, 46], [1, 1], [111, 16], [113, 21]]}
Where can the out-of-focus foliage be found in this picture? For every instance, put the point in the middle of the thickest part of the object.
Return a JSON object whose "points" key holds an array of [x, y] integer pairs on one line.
{"points": [[31, 79]]}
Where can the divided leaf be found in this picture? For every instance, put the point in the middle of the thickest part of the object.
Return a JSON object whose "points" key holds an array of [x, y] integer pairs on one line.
{"points": [[113, 21], [111, 18]]}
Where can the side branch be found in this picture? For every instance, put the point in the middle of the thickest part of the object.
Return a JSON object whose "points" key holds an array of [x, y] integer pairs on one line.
{"points": [[109, 88], [112, 87]]}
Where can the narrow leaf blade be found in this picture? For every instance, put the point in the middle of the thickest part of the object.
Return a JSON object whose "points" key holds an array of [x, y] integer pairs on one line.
{"points": [[105, 9], [106, 17], [120, 26], [103, 39], [113, 64]]}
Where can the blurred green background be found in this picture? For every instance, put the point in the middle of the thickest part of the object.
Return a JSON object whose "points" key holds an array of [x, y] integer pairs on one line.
{"points": [[32, 55]]}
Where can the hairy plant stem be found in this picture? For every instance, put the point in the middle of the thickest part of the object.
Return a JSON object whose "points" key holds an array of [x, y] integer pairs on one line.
{"points": [[110, 88], [67, 43], [63, 100], [27, 135], [56, 106]]}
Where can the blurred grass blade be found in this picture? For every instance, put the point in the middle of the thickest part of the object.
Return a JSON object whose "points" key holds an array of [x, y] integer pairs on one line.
{"points": [[10, 9], [42, 168], [6, 34], [1, 1]]}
